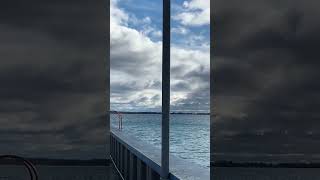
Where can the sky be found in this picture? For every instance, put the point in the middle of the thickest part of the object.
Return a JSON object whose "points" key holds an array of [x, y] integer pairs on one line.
{"points": [[136, 50], [52, 76], [266, 89]]}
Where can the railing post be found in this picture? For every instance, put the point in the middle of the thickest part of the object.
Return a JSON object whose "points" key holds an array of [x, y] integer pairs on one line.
{"points": [[165, 90], [133, 167], [123, 149], [128, 165], [139, 169]]}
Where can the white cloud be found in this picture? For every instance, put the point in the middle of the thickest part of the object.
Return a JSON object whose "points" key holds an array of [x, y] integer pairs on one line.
{"points": [[194, 13], [147, 20], [117, 15], [121, 18], [157, 34], [197, 4], [148, 30], [135, 59], [180, 30]]}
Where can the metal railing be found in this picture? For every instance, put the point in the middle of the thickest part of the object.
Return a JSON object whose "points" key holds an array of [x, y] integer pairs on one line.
{"points": [[116, 116]]}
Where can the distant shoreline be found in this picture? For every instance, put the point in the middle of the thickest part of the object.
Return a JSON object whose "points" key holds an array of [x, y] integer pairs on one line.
{"points": [[59, 162], [186, 113], [264, 165]]}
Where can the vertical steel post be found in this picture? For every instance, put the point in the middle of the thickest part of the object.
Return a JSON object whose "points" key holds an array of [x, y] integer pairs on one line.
{"points": [[165, 90]]}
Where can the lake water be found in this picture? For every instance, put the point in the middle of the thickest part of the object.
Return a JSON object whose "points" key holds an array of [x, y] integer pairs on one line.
{"points": [[189, 134], [266, 173], [108, 173], [13, 172], [189, 139]]}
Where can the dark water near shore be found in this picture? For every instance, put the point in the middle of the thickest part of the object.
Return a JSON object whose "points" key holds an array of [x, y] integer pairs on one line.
{"points": [[108, 173], [13, 172], [236, 173]]}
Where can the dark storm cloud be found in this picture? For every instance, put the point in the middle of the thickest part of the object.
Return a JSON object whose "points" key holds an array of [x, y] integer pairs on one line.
{"points": [[180, 86], [69, 21], [266, 93], [196, 101], [52, 76], [199, 74], [194, 83], [121, 88]]}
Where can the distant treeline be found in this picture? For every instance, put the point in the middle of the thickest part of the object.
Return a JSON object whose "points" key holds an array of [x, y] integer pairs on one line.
{"points": [[58, 162], [264, 165], [191, 113]]}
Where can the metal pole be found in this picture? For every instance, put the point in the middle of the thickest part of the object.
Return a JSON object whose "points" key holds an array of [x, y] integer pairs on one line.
{"points": [[165, 90], [212, 112], [108, 78]]}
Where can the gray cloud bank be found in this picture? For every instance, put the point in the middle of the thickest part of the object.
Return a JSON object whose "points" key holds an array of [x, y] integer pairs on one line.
{"points": [[266, 87], [52, 76]]}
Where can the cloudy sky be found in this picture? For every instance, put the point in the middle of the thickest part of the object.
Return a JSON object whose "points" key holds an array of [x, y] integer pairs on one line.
{"points": [[267, 94], [52, 76], [136, 50]]}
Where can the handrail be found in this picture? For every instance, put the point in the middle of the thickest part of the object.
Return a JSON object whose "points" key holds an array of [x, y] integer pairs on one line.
{"points": [[119, 120]]}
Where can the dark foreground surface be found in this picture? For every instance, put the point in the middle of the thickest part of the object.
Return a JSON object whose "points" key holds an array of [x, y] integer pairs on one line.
{"points": [[46, 172]]}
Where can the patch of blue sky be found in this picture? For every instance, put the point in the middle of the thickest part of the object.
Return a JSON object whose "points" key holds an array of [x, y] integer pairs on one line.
{"points": [[189, 37], [146, 17]]}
